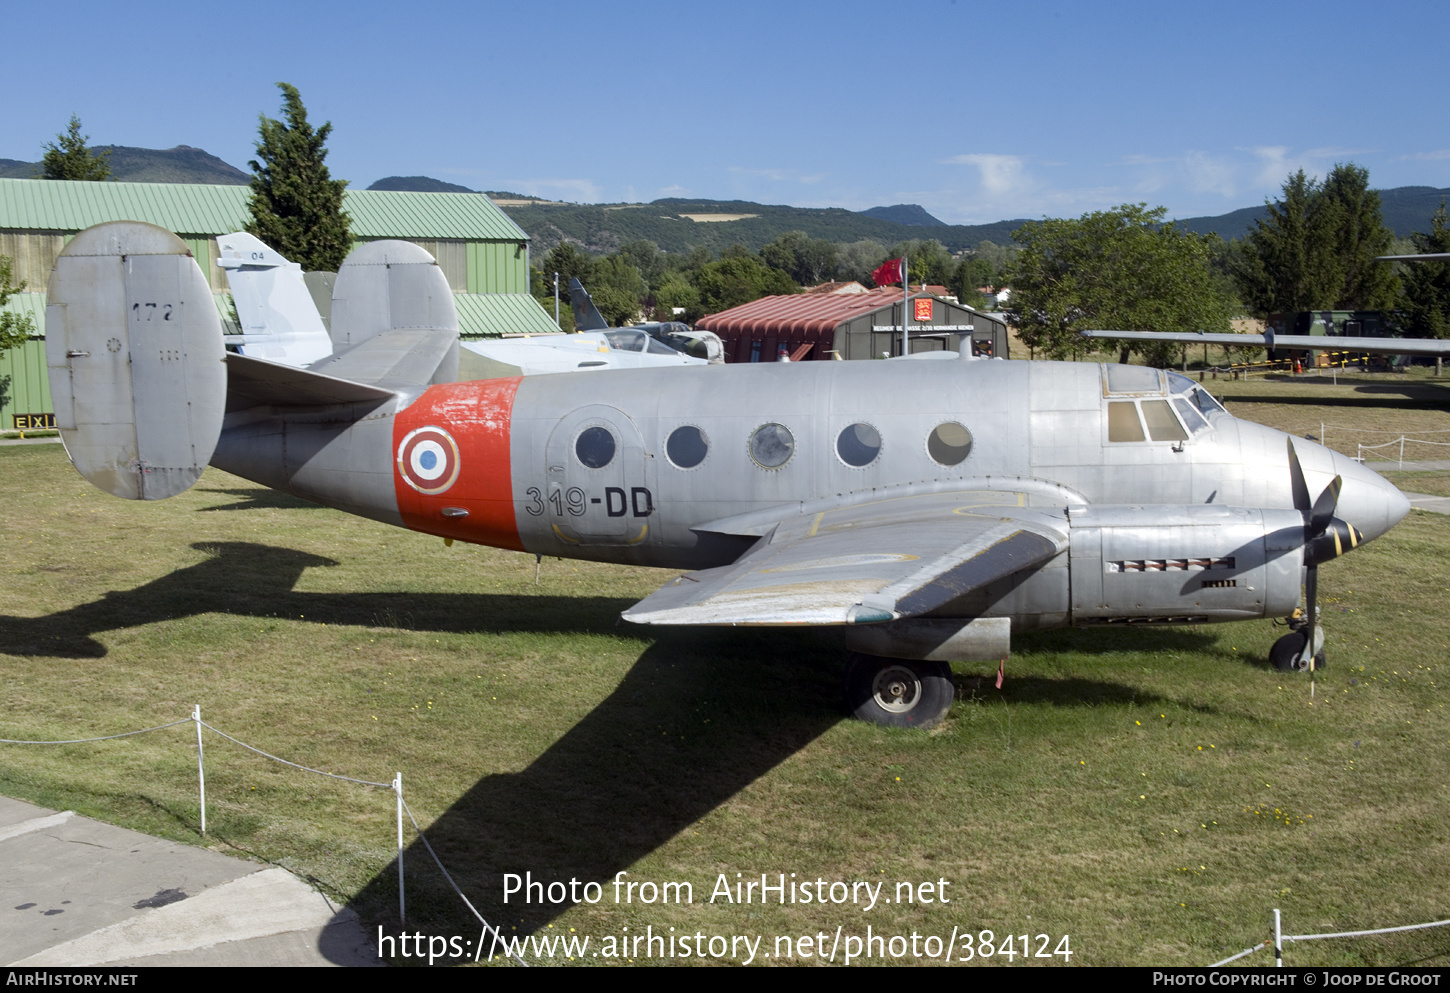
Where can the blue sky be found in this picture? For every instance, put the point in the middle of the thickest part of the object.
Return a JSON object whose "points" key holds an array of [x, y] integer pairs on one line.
{"points": [[977, 111]]}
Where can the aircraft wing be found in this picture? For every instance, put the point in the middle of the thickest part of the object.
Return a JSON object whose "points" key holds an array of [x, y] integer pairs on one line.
{"points": [[1337, 343], [866, 563]]}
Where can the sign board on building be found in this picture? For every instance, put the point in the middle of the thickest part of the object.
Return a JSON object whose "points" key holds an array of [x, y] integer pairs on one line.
{"points": [[32, 422]]}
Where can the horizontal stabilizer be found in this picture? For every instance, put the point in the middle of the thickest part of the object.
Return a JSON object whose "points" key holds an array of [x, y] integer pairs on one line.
{"points": [[403, 359], [259, 381]]}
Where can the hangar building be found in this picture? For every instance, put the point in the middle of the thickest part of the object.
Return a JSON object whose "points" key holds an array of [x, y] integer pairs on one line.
{"points": [[806, 326], [483, 254]]}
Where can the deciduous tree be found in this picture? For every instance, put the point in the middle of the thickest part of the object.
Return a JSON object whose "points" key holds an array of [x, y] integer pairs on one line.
{"points": [[1121, 269], [68, 157], [296, 205]]}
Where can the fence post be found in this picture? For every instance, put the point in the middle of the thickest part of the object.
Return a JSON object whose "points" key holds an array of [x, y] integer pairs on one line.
{"points": [[398, 788], [200, 768], [1278, 941]]}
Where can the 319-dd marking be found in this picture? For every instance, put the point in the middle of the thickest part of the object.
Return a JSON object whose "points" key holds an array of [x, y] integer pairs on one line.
{"points": [[637, 501]]}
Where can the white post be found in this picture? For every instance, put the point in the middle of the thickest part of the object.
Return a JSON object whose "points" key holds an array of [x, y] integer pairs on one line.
{"points": [[905, 297], [200, 768], [556, 303], [398, 788], [1278, 941]]}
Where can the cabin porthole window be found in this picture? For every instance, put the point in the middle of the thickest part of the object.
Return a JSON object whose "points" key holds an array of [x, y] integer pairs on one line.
{"points": [[595, 447], [858, 444], [772, 445], [687, 447], [949, 444]]}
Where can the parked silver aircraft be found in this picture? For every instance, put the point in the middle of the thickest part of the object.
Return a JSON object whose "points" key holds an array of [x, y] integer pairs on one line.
{"points": [[924, 509], [280, 321], [1344, 343]]}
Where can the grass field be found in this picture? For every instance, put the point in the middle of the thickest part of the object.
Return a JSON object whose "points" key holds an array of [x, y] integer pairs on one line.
{"points": [[1150, 794]]}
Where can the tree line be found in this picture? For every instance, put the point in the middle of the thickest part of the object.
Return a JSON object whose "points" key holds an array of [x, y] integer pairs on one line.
{"points": [[641, 280]]}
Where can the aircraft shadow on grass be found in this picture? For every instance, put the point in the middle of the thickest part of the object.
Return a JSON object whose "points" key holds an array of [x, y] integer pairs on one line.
{"points": [[701, 715], [246, 579]]}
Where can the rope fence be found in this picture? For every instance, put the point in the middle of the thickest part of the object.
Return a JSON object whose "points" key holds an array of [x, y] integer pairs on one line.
{"points": [[1277, 941], [396, 787]]}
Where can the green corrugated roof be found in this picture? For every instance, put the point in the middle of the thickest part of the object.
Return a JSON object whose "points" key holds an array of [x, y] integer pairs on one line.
{"points": [[471, 216], [33, 305], [494, 314], [193, 209]]}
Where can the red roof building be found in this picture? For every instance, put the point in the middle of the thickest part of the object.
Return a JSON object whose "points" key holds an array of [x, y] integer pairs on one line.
{"points": [[805, 326]]}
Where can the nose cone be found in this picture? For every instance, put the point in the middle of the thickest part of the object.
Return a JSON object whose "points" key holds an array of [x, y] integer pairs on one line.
{"points": [[1368, 501]]}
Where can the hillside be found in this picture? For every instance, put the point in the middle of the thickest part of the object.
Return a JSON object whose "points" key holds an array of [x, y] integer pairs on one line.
{"points": [[1406, 209], [677, 225], [182, 164]]}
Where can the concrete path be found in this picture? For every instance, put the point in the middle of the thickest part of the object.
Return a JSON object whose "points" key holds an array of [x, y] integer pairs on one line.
{"points": [[78, 893]]}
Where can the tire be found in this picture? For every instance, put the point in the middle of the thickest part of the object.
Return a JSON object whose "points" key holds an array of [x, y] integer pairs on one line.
{"points": [[1286, 651], [898, 693]]}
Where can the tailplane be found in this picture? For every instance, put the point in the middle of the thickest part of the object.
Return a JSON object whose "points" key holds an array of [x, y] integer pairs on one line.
{"points": [[142, 383]]}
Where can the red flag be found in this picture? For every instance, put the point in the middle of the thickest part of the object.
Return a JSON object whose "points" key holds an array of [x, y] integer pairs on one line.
{"points": [[890, 272]]}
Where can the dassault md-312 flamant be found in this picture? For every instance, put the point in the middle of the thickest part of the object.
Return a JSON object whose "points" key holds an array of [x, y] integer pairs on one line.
{"points": [[926, 509]]}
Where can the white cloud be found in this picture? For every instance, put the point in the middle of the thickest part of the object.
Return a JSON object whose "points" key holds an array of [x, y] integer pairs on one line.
{"points": [[1001, 175]]}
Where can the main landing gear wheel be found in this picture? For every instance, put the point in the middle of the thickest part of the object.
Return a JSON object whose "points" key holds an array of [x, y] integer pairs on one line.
{"points": [[1287, 653], [898, 693]]}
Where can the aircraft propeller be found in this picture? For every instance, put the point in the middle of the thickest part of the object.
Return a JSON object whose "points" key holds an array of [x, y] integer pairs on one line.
{"points": [[1325, 537]]}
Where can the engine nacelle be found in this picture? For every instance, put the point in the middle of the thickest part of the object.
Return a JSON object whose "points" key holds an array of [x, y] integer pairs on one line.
{"points": [[1183, 564]]}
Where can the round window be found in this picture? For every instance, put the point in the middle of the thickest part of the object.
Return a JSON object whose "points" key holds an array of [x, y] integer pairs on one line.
{"points": [[771, 446], [949, 443], [687, 446], [595, 447], [858, 444]]}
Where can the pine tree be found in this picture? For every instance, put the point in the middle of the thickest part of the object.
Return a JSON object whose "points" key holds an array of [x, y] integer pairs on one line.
{"points": [[68, 157], [1427, 284], [1360, 235], [296, 205], [1315, 250]]}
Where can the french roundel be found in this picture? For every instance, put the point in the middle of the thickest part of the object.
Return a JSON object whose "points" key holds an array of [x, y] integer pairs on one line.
{"points": [[428, 460]]}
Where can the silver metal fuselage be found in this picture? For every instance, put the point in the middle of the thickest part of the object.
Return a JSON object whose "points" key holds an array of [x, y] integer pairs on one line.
{"points": [[1199, 528]]}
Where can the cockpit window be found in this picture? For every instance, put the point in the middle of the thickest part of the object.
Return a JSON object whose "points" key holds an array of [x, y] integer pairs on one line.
{"points": [[626, 341], [1134, 379], [1162, 425], [657, 347], [1123, 423], [1191, 417], [1196, 394]]}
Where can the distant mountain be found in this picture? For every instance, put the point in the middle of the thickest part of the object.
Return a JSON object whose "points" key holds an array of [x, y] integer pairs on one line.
{"points": [[182, 164], [677, 225], [1406, 209], [418, 184], [905, 213]]}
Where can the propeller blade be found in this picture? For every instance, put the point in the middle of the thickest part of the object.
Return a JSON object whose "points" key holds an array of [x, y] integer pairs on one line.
{"points": [[1323, 511], [1296, 480]]}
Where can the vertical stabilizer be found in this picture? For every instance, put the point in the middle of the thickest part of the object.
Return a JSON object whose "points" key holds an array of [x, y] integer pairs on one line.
{"points": [[278, 317], [387, 285], [133, 344], [586, 316]]}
